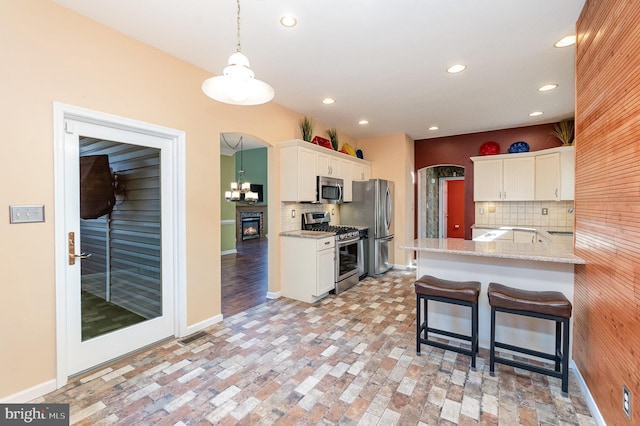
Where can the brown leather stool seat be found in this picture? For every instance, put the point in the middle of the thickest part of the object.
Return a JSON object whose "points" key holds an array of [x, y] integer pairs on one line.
{"points": [[463, 293], [551, 305]]}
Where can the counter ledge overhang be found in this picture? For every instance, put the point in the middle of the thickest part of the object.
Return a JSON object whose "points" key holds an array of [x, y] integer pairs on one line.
{"points": [[557, 253]]}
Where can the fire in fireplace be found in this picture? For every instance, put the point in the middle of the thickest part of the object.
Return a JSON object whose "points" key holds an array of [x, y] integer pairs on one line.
{"points": [[250, 221], [250, 228]]}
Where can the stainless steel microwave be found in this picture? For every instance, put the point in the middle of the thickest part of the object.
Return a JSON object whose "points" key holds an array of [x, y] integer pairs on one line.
{"points": [[330, 190]]}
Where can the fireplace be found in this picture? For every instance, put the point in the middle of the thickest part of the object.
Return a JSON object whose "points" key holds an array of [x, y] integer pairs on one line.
{"points": [[250, 220], [250, 227]]}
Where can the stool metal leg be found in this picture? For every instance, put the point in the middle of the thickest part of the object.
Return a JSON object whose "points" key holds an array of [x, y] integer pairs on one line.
{"points": [[565, 356], [492, 349], [418, 325], [474, 334], [559, 354]]}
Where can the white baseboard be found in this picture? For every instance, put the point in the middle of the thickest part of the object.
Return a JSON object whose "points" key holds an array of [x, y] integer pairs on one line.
{"points": [[591, 403], [202, 325], [30, 394], [234, 251], [272, 295]]}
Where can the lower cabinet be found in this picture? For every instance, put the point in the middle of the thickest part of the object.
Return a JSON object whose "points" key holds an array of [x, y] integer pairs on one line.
{"points": [[524, 236], [308, 267]]}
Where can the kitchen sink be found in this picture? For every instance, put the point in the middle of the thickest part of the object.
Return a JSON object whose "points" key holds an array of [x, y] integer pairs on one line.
{"points": [[560, 232]]}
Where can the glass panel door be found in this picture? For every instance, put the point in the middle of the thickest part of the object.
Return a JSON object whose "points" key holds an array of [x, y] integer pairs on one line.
{"points": [[120, 225], [118, 221]]}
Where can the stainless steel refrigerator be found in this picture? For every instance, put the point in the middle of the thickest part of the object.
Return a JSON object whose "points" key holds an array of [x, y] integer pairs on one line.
{"points": [[372, 206]]}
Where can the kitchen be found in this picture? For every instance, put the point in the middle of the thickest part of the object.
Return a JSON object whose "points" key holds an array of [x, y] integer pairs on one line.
{"points": [[599, 340]]}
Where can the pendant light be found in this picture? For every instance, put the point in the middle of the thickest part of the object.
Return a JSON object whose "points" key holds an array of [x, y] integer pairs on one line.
{"points": [[241, 189], [237, 85]]}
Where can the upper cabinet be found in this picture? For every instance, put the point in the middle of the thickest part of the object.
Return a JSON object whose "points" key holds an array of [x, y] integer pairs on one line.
{"points": [[555, 175], [327, 165], [508, 179], [297, 177], [302, 162], [540, 175], [360, 172]]}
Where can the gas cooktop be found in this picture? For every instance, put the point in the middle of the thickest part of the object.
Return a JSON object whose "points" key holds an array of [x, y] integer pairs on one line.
{"points": [[320, 222]]}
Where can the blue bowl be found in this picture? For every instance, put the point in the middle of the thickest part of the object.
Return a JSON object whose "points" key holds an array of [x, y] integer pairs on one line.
{"points": [[520, 146]]}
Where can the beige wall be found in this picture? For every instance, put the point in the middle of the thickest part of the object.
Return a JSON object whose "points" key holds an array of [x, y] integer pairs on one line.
{"points": [[52, 54], [392, 158]]}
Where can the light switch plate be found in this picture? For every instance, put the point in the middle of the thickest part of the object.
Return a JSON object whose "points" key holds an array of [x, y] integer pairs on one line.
{"points": [[26, 213]]}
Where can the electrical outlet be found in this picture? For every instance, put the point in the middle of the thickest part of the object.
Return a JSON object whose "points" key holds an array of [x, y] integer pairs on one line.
{"points": [[545, 211], [626, 401]]}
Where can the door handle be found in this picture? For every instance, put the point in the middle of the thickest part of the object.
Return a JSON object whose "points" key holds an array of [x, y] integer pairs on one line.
{"points": [[72, 250]]}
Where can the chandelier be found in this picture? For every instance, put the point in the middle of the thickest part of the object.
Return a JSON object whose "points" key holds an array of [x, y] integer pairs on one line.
{"points": [[237, 85], [240, 189]]}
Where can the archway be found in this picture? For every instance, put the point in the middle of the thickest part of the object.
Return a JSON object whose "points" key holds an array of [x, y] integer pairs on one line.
{"points": [[430, 204], [244, 227]]}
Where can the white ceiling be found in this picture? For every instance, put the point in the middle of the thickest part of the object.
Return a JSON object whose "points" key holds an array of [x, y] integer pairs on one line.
{"points": [[382, 60]]}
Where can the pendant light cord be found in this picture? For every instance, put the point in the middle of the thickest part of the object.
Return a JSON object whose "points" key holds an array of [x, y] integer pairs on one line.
{"points": [[238, 23]]}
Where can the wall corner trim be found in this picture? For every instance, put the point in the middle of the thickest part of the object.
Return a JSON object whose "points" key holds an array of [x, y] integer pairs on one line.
{"points": [[274, 295]]}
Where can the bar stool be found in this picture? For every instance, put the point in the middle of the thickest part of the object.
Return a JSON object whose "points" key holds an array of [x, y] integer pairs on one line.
{"points": [[463, 293], [550, 305]]}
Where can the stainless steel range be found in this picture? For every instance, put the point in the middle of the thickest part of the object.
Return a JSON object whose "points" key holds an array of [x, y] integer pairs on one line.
{"points": [[349, 248]]}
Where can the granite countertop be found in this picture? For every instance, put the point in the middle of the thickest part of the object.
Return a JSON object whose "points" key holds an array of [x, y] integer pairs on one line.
{"points": [[559, 251], [316, 235], [550, 233]]}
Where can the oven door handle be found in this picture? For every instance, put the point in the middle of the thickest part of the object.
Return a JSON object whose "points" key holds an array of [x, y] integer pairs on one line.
{"points": [[342, 243]]}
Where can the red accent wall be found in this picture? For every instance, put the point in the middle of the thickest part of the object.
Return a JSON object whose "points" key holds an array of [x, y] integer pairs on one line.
{"points": [[458, 150]]}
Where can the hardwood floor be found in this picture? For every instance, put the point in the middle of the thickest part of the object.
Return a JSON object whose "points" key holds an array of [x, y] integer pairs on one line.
{"points": [[244, 277]]}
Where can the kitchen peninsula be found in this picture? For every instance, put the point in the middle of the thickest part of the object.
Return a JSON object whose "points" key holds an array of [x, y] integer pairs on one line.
{"points": [[530, 266]]}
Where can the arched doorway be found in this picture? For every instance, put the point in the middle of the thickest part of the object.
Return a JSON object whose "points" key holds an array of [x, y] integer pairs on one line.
{"points": [[244, 225], [432, 206]]}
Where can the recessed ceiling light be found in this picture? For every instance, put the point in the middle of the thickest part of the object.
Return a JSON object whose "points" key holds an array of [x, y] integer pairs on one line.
{"points": [[434, 128], [547, 87], [288, 21], [535, 113], [328, 101], [566, 41], [363, 122], [453, 69]]}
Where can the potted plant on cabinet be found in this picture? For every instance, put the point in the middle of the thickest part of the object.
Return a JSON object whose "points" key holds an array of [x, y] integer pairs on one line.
{"points": [[306, 128], [564, 131], [333, 137]]}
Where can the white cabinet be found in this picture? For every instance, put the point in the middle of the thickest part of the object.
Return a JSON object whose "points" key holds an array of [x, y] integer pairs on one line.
{"points": [[360, 172], [345, 174], [509, 179], [301, 163], [325, 273], [520, 236], [297, 177], [327, 165], [308, 267], [487, 180], [555, 175]]}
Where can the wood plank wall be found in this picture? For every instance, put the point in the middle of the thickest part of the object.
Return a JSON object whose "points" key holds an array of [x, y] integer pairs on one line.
{"points": [[607, 204]]}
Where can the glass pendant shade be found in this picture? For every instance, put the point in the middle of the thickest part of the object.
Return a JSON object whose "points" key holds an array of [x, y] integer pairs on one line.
{"points": [[237, 85]]}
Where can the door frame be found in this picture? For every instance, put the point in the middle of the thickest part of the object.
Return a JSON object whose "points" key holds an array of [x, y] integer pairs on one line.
{"points": [[62, 112], [442, 225]]}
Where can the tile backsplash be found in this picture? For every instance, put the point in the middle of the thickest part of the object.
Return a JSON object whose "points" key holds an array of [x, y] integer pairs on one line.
{"points": [[290, 223], [525, 213]]}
